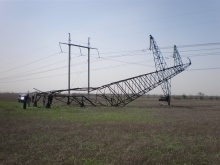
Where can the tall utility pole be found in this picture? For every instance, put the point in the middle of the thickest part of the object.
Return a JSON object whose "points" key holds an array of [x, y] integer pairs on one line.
{"points": [[87, 47], [69, 67], [88, 65]]}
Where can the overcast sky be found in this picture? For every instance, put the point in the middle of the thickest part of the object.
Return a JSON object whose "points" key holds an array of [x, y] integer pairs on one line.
{"points": [[31, 57]]}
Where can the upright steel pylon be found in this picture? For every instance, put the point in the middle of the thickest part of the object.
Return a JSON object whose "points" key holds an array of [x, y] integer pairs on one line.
{"points": [[122, 92]]}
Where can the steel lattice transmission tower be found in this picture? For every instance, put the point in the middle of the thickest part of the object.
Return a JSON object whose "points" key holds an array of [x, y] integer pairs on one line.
{"points": [[160, 64], [122, 92]]}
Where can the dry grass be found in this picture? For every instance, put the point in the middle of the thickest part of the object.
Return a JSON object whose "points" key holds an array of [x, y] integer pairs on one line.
{"points": [[144, 132]]}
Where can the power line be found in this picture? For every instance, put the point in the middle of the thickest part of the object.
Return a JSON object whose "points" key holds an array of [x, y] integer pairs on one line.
{"points": [[82, 63], [192, 45], [34, 78], [127, 62], [127, 53], [97, 69], [31, 74], [83, 71], [200, 69], [172, 27], [44, 71], [28, 63], [15, 75], [149, 20], [167, 47]]}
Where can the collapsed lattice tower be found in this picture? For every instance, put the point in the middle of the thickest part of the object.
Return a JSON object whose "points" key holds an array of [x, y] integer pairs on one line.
{"points": [[122, 92]]}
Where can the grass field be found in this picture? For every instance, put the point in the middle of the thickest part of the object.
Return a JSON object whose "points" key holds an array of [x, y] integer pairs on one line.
{"points": [[144, 132]]}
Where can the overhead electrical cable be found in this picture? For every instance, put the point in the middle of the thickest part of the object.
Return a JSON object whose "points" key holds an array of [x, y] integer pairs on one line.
{"points": [[192, 45], [201, 50], [34, 78], [97, 69], [82, 63], [172, 27], [166, 47], [130, 51], [150, 20], [127, 62], [34, 69], [35, 61], [31, 74], [202, 69], [15, 75]]}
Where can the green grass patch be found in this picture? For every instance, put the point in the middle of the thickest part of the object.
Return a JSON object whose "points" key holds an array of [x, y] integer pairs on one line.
{"points": [[109, 135], [75, 113]]}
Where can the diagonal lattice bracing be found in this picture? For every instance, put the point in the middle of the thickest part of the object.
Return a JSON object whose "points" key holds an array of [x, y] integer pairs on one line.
{"points": [[122, 92], [160, 64]]}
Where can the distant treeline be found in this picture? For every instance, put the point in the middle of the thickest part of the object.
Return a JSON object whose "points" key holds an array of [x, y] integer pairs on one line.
{"points": [[6, 96], [200, 96]]}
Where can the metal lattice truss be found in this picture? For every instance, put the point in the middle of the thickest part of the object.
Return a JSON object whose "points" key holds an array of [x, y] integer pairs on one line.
{"points": [[160, 65], [122, 92]]}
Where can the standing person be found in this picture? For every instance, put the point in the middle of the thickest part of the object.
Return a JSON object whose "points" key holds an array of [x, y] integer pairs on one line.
{"points": [[32, 99], [25, 101], [28, 100]]}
